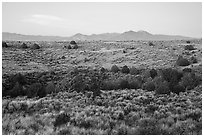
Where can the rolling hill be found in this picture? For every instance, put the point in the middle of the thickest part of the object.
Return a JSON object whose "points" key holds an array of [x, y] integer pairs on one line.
{"points": [[126, 36]]}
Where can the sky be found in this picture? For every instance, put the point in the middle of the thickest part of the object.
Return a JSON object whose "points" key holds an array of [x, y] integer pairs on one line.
{"points": [[68, 18]]}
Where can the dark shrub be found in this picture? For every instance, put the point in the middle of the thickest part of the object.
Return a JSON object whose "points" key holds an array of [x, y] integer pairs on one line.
{"points": [[189, 47], [63, 57], [124, 84], [170, 74], [21, 79], [182, 61], [50, 88], [151, 44], [110, 85], [75, 46], [153, 73], [190, 80], [102, 69], [125, 69], [24, 46], [82, 81], [73, 42], [146, 75], [178, 88], [16, 91], [134, 71], [158, 81], [188, 41], [163, 88], [134, 84], [4, 45], [61, 119], [149, 86], [68, 47], [115, 69], [187, 70], [35, 90], [193, 60], [35, 46]]}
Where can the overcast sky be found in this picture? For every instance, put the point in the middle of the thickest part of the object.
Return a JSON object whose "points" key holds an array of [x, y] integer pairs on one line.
{"points": [[66, 19]]}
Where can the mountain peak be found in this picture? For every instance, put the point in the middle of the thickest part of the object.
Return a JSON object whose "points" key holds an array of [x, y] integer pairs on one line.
{"points": [[130, 31], [79, 34], [143, 32]]}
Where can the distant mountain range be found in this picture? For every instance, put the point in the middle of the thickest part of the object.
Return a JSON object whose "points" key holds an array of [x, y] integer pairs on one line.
{"points": [[126, 36]]}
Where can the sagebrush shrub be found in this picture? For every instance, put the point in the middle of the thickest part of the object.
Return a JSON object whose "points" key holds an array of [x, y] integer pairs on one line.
{"points": [[182, 61], [148, 126], [188, 41], [122, 129], [125, 69], [115, 69]]}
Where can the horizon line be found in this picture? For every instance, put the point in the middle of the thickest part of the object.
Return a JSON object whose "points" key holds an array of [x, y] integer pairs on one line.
{"points": [[101, 33]]}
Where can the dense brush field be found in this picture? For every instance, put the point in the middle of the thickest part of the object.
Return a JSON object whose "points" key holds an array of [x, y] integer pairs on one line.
{"points": [[50, 92]]}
